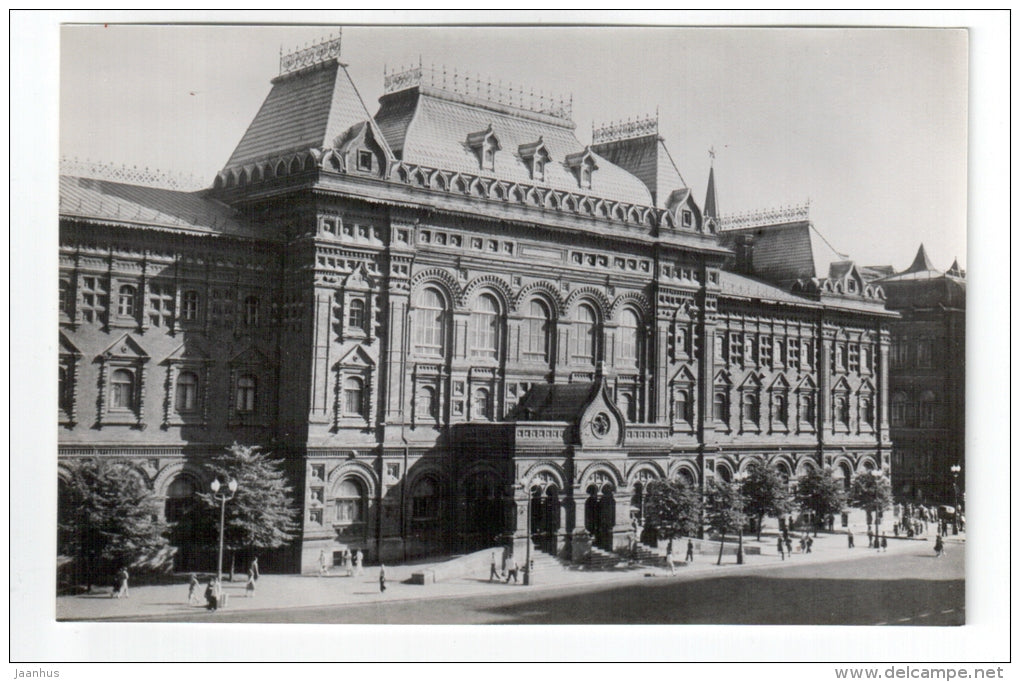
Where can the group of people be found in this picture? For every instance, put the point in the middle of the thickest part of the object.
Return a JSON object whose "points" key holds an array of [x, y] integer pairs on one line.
{"points": [[120, 584], [215, 597], [784, 543], [507, 568], [688, 558], [353, 562]]}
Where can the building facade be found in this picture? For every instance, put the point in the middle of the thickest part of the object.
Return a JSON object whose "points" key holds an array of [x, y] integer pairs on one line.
{"points": [[927, 380], [455, 321]]}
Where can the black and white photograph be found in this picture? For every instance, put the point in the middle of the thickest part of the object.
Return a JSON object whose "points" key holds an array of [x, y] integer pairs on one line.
{"points": [[510, 324]]}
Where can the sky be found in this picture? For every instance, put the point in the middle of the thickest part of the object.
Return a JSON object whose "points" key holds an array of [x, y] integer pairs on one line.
{"points": [[869, 125]]}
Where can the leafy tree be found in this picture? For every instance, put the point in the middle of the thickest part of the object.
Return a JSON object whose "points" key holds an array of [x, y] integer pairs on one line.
{"points": [[724, 510], [673, 508], [872, 492], [261, 514], [820, 492], [765, 492], [108, 519]]}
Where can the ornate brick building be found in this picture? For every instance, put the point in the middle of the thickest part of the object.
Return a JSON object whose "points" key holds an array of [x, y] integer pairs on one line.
{"points": [[451, 313], [927, 380]]}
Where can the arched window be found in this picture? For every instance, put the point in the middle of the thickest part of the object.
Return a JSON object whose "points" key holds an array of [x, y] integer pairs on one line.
{"points": [[190, 306], [779, 411], [681, 406], [180, 497], [867, 411], [251, 311], [481, 407], [430, 327], [425, 500], [356, 315], [246, 387], [122, 390], [842, 409], [899, 409], [928, 406], [186, 392], [485, 327], [807, 408], [627, 333], [537, 331], [126, 301], [751, 407], [350, 502], [354, 403], [585, 334], [721, 407], [428, 407]]}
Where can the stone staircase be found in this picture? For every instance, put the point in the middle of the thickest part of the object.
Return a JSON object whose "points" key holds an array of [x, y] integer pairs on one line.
{"points": [[543, 562]]}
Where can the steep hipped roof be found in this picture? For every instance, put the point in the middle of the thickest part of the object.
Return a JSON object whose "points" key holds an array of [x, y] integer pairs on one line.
{"points": [[430, 127], [921, 268], [105, 200], [649, 160], [307, 109], [921, 262], [780, 253]]}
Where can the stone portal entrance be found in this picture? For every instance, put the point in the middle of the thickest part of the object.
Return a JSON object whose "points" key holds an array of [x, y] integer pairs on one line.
{"points": [[600, 514]]}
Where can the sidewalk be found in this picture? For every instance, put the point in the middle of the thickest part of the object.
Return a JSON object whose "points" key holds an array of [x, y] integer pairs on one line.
{"points": [[293, 591]]}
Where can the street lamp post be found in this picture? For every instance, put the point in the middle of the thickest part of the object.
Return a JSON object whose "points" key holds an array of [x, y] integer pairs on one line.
{"points": [[527, 547], [956, 497], [232, 488], [739, 479]]}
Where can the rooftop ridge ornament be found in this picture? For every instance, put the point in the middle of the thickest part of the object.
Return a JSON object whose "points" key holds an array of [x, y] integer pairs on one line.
{"points": [[625, 130], [768, 216], [130, 175], [325, 51], [561, 107]]}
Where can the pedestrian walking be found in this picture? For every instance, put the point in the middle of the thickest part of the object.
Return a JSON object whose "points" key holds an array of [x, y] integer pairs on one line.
{"points": [[938, 545], [669, 547], [849, 539], [808, 541], [359, 563], [122, 583], [493, 573], [512, 571], [192, 589], [348, 568], [690, 552], [779, 546], [789, 546], [323, 567], [669, 562], [382, 578], [211, 596], [254, 567], [885, 544], [869, 538], [249, 586]]}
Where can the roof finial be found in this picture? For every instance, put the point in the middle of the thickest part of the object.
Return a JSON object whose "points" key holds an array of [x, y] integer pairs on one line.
{"points": [[711, 155]]}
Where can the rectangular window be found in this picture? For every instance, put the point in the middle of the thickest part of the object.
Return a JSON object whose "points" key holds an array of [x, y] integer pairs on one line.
{"points": [[765, 345], [221, 308], [793, 353], [93, 299], [750, 349], [924, 354], [161, 304], [736, 349], [778, 351], [855, 358], [364, 160]]}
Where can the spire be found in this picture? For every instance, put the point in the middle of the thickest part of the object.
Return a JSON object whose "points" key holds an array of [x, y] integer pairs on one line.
{"points": [[711, 204], [955, 270], [921, 262]]}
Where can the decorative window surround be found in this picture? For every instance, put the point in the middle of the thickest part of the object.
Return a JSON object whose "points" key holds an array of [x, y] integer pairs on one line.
{"points": [[128, 354]]}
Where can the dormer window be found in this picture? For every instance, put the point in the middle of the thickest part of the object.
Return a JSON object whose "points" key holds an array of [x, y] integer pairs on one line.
{"points": [[583, 166], [485, 144], [364, 160], [687, 219], [535, 156]]}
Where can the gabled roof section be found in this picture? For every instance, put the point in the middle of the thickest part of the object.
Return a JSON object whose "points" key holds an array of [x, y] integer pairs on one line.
{"points": [[733, 285], [189, 350], [250, 356], [781, 254], [67, 347], [118, 202], [306, 109], [125, 347], [428, 126], [356, 357]]}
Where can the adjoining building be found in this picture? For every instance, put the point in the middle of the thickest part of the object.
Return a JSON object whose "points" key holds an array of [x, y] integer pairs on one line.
{"points": [[927, 379], [451, 315]]}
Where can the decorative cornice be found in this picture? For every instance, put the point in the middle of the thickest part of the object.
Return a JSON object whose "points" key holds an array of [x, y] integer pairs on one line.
{"points": [[134, 175], [625, 130], [327, 50], [772, 216], [464, 84]]}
